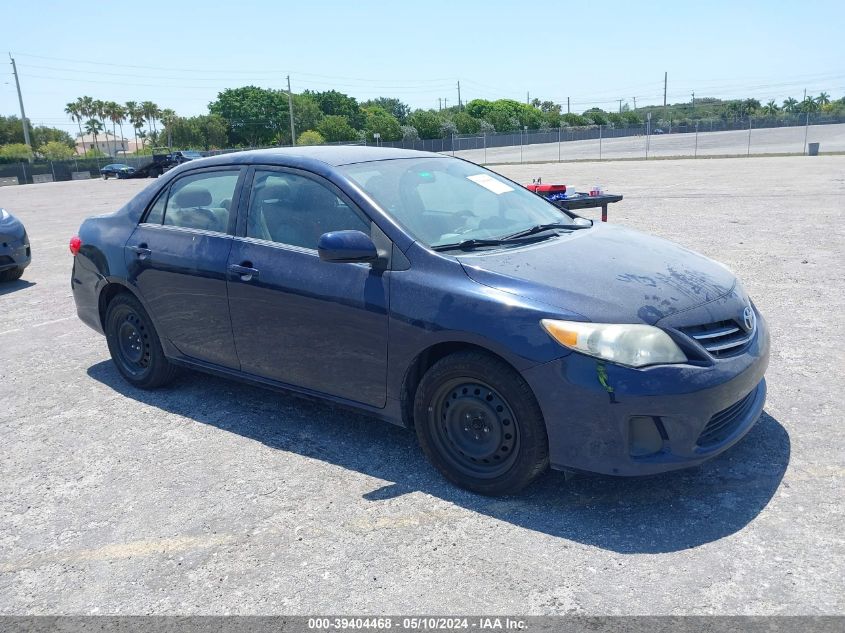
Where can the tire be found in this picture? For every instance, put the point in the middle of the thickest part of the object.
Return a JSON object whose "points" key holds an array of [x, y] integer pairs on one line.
{"points": [[134, 344], [480, 425], [11, 274], [105, 176]]}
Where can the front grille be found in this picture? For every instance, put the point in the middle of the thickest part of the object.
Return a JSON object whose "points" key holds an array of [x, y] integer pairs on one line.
{"points": [[5, 260], [722, 424], [722, 338]]}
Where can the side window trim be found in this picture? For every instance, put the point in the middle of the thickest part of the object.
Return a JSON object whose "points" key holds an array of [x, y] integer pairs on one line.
{"points": [[249, 190], [231, 230], [164, 193]]}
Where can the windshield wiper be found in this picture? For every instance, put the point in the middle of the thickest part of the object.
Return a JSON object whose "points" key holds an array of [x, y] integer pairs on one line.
{"points": [[476, 242], [539, 228]]}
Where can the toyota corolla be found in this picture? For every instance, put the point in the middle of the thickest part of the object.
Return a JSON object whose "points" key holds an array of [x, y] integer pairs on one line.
{"points": [[433, 293]]}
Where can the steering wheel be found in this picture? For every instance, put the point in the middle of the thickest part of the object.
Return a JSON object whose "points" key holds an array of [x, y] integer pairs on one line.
{"points": [[209, 217]]}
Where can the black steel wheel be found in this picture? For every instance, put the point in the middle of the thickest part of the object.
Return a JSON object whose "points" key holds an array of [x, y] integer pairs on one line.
{"points": [[11, 274], [474, 428], [134, 344], [479, 424]]}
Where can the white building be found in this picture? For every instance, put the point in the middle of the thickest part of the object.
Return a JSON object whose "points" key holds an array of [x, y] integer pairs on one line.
{"points": [[106, 142]]}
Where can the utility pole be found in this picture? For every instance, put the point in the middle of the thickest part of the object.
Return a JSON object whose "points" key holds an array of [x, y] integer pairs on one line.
{"points": [[460, 104], [693, 99], [290, 111], [665, 83], [20, 100], [439, 104], [567, 105], [620, 106], [635, 102], [527, 98], [445, 103]]}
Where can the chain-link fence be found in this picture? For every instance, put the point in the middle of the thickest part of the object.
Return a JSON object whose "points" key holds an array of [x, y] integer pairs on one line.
{"points": [[796, 134]]}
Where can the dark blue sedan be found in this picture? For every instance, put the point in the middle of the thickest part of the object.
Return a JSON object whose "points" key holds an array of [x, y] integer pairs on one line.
{"points": [[15, 254], [435, 294]]}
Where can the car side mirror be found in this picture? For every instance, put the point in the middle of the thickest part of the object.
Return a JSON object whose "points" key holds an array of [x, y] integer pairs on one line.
{"points": [[346, 247]]}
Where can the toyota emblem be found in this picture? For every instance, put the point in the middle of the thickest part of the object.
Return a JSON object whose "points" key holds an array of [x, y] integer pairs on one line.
{"points": [[748, 318]]}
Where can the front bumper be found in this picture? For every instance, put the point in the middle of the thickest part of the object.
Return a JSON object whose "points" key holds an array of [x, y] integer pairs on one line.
{"points": [[14, 251], [592, 409]]}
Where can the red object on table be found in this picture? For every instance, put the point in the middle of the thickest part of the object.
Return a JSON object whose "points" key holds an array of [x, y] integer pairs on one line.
{"points": [[541, 188]]}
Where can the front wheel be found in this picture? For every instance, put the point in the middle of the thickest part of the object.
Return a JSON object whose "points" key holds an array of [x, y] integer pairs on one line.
{"points": [[134, 344], [11, 274], [480, 425]]}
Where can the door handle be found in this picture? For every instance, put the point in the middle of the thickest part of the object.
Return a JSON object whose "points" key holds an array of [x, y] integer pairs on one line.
{"points": [[246, 273], [141, 251]]}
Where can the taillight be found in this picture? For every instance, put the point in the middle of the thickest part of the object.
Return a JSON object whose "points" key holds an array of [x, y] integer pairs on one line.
{"points": [[75, 244]]}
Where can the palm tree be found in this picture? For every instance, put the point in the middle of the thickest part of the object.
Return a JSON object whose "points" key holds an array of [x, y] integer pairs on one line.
{"points": [[132, 114], [100, 113], [823, 99], [771, 108], [93, 127], [151, 112], [72, 110], [809, 105], [790, 105], [114, 113], [168, 116]]}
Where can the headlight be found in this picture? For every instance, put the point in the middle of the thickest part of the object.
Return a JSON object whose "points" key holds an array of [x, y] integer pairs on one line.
{"points": [[4, 215], [633, 345]]}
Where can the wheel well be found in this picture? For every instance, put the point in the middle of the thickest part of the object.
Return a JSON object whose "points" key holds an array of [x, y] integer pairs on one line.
{"points": [[422, 363], [106, 295]]}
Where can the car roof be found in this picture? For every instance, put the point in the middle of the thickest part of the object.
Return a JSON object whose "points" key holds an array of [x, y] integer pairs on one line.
{"points": [[334, 155]]}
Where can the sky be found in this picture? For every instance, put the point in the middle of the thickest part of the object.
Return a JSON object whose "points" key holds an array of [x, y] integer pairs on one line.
{"points": [[180, 54]]}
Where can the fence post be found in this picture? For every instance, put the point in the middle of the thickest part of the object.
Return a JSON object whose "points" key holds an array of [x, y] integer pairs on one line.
{"points": [[558, 142], [806, 129], [485, 148], [748, 152], [23, 171], [599, 142], [53, 170], [695, 153]]}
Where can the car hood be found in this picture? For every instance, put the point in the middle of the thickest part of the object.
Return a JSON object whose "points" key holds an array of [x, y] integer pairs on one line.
{"points": [[607, 274]]}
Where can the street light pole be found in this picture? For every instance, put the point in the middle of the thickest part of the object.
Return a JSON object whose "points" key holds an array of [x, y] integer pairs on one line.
{"points": [[20, 101], [290, 111]]}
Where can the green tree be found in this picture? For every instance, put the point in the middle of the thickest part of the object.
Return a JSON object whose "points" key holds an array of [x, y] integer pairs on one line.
{"points": [[16, 151], [823, 99], [335, 128], [256, 116], [393, 106], [93, 127], [466, 124], [205, 132], [310, 137], [41, 135], [73, 110], [168, 116], [55, 150], [597, 116], [378, 120], [771, 108], [790, 105], [114, 113], [306, 112], [151, 113], [426, 122], [336, 103], [135, 117]]}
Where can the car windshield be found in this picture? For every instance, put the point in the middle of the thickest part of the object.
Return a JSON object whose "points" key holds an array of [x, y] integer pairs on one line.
{"points": [[446, 201], [192, 154]]}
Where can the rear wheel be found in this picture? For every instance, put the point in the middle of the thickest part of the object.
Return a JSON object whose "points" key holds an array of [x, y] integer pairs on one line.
{"points": [[134, 344], [11, 274], [480, 425]]}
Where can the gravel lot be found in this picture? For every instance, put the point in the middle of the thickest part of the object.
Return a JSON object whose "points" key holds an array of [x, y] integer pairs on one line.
{"points": [[787, 140], [214, 497]]}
